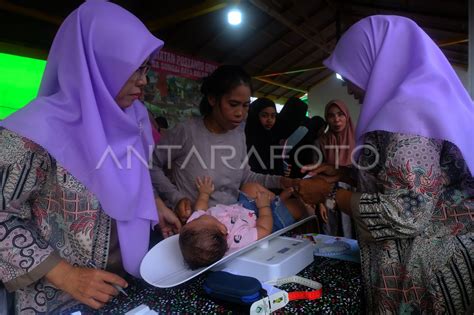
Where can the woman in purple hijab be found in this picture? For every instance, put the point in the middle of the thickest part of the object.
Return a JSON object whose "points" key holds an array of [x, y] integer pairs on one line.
{"points": [[414, 206], [75, 185]]}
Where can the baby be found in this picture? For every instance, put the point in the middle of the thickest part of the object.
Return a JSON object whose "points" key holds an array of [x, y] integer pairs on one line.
{"points": [[207, 235]]}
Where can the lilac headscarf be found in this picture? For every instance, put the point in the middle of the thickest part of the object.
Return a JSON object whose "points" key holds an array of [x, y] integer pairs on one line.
{"points": [[76, 119], [410, 86]]}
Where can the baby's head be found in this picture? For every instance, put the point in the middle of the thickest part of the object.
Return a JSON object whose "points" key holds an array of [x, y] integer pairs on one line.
{"points": [[203, 241]]}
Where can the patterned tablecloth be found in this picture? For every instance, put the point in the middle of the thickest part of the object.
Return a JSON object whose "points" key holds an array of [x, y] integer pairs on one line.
{"points": [[341, 282]]}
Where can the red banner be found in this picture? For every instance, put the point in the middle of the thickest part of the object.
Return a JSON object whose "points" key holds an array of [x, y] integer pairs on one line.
{"points": [[182, 65]]}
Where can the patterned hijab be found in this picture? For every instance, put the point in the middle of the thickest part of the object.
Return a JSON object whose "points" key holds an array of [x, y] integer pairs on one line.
{"points": [[410, 85], [76, 119], [345, 137]]}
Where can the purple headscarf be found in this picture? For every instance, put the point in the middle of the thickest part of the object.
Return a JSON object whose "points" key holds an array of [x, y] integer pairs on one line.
{"points": [[76, 119], [410, 85]]}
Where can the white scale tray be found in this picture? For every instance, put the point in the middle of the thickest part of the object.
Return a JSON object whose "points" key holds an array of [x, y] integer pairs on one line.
{"points": [[163, 266]]}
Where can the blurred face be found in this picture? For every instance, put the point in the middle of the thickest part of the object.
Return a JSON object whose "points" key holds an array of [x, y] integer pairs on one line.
{"points": [[207, 222], [356, 91], [336, 119], [267, 117], [232, 109], [133, 88]]}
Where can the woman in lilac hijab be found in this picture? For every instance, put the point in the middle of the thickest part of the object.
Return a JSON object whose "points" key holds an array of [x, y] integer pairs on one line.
{"points": [[414, 206], [76, 196]]}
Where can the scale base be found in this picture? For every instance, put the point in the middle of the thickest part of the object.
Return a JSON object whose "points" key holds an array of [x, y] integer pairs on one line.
{"points": [[279, 257]]}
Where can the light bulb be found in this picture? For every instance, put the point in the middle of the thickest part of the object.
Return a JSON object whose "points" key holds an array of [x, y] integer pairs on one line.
{"points": [[234, 17]]}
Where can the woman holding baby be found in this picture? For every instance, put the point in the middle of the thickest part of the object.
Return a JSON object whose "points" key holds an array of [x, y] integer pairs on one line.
{"points": [[213, 145]]}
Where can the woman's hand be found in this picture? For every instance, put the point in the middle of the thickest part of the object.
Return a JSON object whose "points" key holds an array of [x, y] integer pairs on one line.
{"points": [[326, 171], [183, 210], [167, 221], [313, 190], [92, 287], [205, 185]]}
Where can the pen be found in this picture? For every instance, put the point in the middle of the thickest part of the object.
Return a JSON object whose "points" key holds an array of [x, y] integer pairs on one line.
{"points": [[91, 264]]}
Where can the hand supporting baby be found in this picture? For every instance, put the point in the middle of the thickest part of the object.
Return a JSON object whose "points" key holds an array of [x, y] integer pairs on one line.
{"points": [[183, 210]]}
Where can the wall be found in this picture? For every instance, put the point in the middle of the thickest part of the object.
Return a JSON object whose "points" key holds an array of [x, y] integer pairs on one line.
{"points": [[331, 88]]}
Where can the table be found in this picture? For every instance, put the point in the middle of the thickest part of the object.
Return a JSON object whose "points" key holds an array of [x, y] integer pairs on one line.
{"points": [[342, 294]]}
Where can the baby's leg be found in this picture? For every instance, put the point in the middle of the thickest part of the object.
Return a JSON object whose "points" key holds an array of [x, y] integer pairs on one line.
{"points": [[299, 210], [247, 196], [296, 208], [251, 190]]}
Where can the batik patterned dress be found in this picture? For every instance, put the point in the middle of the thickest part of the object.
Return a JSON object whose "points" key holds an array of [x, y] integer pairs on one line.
{"points": [[414, 215], [45, 214]]}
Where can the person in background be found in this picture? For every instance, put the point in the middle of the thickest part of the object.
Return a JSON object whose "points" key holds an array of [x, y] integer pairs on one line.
{"points": [[261, 138], [414, 203], [73, 218], [291, 117], [212, 145], [337, 145], [303, 152], [316, 126], [340, 134]]}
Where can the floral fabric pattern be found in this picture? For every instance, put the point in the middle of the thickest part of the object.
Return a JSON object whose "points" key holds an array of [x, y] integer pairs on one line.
{"points": [[417, 205]]}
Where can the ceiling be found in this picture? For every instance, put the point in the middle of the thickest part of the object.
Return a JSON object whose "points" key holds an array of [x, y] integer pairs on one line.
{"points": [[281, 43]]}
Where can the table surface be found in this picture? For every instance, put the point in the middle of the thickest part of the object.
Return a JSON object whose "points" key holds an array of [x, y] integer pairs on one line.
{"points": [[341, 282]]}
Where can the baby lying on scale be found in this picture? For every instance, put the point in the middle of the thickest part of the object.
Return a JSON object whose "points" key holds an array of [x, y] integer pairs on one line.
{"points": [[208, 234]]}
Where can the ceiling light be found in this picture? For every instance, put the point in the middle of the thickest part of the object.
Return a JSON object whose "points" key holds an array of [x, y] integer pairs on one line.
{"points": [[234, 17]]}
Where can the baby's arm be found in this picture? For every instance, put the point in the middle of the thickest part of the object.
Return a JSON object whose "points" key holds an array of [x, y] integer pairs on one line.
{"points": [[265, 219], [205, 187]]}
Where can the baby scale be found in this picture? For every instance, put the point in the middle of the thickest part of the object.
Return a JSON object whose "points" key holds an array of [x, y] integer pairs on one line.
{"points": [[269, 258], [273, 259]]}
